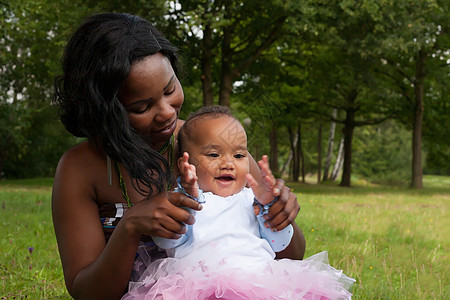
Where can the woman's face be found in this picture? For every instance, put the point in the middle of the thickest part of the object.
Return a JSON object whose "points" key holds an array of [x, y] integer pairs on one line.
{"points": [[152, 96]]}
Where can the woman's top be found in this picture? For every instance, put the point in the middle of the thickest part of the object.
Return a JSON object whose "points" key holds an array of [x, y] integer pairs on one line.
{"points": [[112, 213]]}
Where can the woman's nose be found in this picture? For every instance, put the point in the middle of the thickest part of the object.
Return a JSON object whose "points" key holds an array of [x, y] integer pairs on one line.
{"points": [[165, 112]]}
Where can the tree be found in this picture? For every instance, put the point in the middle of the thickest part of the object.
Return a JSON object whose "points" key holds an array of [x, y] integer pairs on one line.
{"points": [[231, 36], [341, 71], [33, 35], [414, 45]]}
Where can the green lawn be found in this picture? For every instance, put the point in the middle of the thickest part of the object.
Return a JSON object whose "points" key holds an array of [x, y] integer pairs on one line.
{"points": [[393, 240]]}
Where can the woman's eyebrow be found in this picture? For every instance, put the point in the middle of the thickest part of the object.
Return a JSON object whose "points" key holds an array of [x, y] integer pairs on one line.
{"points": [[171, 78], [150, 99]]}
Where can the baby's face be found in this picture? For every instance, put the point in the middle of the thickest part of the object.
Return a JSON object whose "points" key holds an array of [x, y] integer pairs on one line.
{"points": [[218, 149]]}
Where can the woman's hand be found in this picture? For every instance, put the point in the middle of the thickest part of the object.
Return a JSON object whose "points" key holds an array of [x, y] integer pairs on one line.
{"points": [[284, 211], [162, 215]]}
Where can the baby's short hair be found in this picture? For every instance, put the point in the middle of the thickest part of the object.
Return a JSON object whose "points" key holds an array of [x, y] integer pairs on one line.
{"points": [[204, 113]]}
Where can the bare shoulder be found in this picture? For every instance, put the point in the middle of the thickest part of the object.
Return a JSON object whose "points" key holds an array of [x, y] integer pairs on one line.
{"points": [[78, 167], [80, 155]]}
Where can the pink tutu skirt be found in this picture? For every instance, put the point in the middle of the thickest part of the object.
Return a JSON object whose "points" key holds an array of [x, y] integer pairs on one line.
{"points": [[312, 278]]}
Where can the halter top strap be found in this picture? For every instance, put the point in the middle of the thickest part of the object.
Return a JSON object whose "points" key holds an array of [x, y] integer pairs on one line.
{"points": [[123, 186]]}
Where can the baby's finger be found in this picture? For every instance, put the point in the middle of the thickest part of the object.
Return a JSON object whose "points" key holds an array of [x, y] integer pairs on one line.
{"points": [[185, 157], [264, 166], [269, 182], [252, 183]]}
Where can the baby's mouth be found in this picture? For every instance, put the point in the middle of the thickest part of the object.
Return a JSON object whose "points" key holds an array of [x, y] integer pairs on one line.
{"points": [[225, 178]]}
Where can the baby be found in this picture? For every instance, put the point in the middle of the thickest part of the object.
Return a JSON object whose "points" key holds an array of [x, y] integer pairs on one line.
{"points": [[223, 255], [220, 165]]}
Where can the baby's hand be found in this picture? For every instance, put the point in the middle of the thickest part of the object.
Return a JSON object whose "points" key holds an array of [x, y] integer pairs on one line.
{"points": [[189, 179], [264, 191]]}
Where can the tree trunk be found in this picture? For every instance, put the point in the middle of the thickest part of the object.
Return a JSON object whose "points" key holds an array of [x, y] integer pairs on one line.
{"points": [[330, 147], [273, 159], [293, 138], [289, 159], [300, 155], [226, 86], [206, 65], [319, 154], [226, 76], [416, 180], [339, 161], [349, 127]]}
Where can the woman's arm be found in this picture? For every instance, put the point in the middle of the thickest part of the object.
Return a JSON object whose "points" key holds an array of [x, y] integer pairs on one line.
{"points": [[282, 213], [296, 249], [92, 268]]}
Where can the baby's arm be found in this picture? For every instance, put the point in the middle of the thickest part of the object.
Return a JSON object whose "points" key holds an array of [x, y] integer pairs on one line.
{"points": [[264, 198], [187, 184]]}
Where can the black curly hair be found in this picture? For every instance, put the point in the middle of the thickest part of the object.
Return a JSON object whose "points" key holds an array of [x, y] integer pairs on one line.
{"points": [[97, 59], [205, 112]]}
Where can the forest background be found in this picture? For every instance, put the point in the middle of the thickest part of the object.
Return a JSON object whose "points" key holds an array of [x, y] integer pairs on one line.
{"points": [[337, 90]]}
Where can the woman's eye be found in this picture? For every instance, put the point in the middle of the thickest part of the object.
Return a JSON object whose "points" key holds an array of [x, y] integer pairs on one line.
{"points": [[171, 91], [141, 110]]}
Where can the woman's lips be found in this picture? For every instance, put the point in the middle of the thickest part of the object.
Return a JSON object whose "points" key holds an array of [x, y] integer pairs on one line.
{"points": [[168, 130]]}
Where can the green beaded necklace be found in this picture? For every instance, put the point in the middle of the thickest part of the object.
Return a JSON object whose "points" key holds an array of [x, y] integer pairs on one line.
{"points": [[168, 146]]}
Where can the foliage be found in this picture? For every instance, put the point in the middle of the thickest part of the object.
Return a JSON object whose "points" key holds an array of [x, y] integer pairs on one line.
{"points": [[33, 33], [382, 153], [322, 51], [436, 133]]}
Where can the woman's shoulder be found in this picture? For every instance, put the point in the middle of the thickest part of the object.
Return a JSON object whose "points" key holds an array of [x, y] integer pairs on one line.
{"points": [[83, 157], [83, 151]]}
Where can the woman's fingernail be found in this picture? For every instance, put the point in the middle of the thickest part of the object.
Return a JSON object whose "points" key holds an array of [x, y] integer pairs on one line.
{"points": [[276, 191], [266, 225], [274, 230]]}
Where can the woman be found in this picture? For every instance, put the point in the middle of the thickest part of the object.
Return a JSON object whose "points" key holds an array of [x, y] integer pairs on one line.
{"points": [[120, 90]]}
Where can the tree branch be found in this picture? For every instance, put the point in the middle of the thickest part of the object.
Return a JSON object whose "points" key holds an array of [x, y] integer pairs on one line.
{"points": [[268, 41]]}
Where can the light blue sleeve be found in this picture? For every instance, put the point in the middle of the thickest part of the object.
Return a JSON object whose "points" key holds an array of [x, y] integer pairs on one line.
{"points": [[278, 240], [164, 243]]}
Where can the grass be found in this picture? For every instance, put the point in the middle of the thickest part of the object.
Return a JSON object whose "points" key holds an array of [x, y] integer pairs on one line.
{"points": [[29, 260], [393, 240]]}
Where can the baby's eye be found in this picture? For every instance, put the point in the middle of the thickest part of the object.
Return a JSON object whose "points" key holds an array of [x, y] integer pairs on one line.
{"points": [[212, 154], [239, 155]]}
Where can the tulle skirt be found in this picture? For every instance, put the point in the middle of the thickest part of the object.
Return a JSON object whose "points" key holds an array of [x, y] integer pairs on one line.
{"points": [[312, 278]]}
